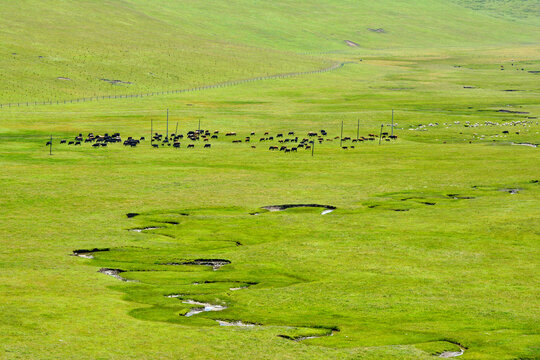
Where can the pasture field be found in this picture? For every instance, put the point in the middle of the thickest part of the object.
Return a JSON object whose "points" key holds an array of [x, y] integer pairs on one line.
{"points": [[432, 245]]}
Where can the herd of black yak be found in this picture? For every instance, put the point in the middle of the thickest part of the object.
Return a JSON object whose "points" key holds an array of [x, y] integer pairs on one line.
{"points": [[286, 142]]}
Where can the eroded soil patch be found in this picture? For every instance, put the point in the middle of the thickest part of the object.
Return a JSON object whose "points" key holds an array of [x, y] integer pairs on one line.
{"points": [[216, 264], [88, 254]]}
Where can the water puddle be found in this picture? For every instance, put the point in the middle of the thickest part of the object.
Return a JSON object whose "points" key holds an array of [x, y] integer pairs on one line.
{"points": [[449, 354], [146, 228], [203, 307], [235, 323], [115, 273]]}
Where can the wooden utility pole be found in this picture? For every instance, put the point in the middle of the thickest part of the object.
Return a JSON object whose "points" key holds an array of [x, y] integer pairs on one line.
{"points": [[380, 134], [341, 137], [50, 146], [392, 122]]}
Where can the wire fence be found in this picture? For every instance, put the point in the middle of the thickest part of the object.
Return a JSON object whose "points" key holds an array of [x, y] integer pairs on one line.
{"points": [[168, 92]]}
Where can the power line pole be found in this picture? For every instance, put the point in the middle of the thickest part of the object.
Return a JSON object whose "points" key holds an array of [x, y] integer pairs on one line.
{"points": [[50, 146], [341, 137], [380, 134], [392, 122]]}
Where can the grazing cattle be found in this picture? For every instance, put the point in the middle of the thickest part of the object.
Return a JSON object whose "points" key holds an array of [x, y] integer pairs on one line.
{"points": [[287, 150], [272, 148], [206, 139], [311, 133], [505, 132], [103, 144], [344, 147], [282, 148], [279, 135], [271, 138], [294, 149], [237, 141], [393, 137], [153, 145], [301, 145], [190, 146], [48, 143], [262, 139], [79, 138], [71, 142], [216, 132], [352, 147], [214, 136], [253, 147], [291, 132], [95, 145], [337, 137], [308, 147], [176, 145], [62, 141], [252, 133], [230, 134], [384, 133], [266, 133], [77, 143], [247, 139], [207, 146]]}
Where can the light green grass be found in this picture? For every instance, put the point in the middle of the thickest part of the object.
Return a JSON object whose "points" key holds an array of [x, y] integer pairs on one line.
{"points": [[397, 284]]}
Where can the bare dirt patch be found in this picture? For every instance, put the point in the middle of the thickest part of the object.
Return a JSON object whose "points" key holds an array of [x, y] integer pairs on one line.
{"points": [[351, 43], [377, 30], [216, 264]]}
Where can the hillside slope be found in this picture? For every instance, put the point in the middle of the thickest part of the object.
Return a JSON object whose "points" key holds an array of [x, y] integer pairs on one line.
{"points": [[57, 50]]}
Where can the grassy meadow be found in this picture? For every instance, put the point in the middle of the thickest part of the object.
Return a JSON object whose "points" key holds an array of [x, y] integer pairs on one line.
{"points": [[433, 245]]}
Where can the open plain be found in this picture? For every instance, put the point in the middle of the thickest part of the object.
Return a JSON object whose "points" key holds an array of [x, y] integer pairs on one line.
{"points": [[352, 180]]}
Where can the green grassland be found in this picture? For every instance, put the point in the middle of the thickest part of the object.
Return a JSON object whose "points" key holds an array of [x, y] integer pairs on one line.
{"points": [[434, 242]]}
